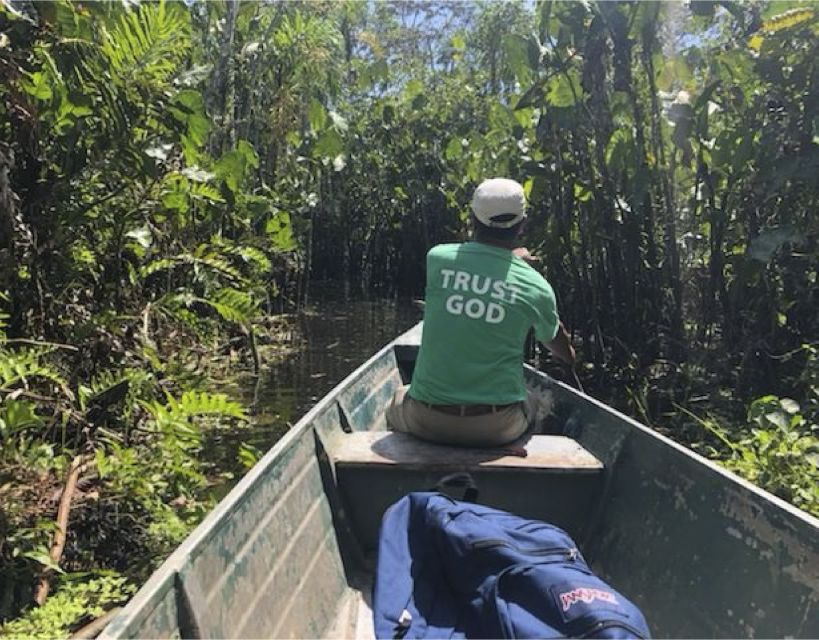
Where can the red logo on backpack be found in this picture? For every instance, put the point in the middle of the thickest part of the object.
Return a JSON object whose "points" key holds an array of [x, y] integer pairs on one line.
{"points": [[587, 595]]}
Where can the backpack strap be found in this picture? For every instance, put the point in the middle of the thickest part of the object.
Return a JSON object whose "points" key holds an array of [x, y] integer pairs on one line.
{"points": [[460, 480]]}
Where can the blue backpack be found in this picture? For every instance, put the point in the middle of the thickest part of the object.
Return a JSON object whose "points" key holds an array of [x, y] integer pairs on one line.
{"points": [[452, 569]]}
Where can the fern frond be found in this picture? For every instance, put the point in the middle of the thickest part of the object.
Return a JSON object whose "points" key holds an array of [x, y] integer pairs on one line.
{"points": [[176, 417], [211, 261], [248, 254], [20, 366], [233, 305], [148, 43], [139, 386], [160, 264], [220, 265], [202, 192], [201, 403]]}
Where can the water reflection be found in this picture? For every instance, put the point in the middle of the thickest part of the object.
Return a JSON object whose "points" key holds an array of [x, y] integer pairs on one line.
{"points": [[327, 341]]}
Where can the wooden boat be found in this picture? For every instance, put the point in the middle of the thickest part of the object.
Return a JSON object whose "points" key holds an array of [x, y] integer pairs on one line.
{"points": [[289, 552]]}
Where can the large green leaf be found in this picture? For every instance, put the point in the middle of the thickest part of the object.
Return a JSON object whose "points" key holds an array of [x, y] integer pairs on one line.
{"points": [[38, 86], [674, 73], [16, 415], [234, 165], [564, 89], [188, 108], [517, 54], [454, 149], [412, 89], [619, 149], [329, 144], [317, 115], [280, 232]]}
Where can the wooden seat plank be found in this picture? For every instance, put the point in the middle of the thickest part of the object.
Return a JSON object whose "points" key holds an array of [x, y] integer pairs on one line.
{"points": [[379, 448]]}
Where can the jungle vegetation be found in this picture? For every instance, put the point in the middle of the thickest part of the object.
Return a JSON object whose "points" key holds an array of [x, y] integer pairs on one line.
{"points": [[173, 175]]}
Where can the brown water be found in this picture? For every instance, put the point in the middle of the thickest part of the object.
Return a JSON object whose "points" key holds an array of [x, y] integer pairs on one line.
{"points": [[325, 342]]}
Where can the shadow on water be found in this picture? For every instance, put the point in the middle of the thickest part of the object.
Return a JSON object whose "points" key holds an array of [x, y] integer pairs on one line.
{"points": [[324, 343]]}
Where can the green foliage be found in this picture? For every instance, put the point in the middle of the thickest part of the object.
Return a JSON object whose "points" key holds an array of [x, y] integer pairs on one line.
{"points": [[234, 166], [166, 169], [75, 601], [780, 451], [193, 404], [145, 44], [19, 367], [248, 455]]}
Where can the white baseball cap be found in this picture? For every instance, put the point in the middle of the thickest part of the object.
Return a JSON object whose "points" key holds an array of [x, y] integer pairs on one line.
{"points": [[499, 203]]}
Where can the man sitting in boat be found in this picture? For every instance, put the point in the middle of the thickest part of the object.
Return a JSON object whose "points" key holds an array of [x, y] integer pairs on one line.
{"points": [[482, 297]]}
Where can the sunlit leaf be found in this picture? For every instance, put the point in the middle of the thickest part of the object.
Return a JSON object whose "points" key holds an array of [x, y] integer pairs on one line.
{"points": [[619, 149], [582, 193], [234, 165], [781, 22], [339, 123], [790, 406], [189, 109], [250, 49], [413, 88], [517, 54], [195, 174], [454, 149], [317, 115], [42, 557], [674, 73], [38, 86], [788, 19], [527, 187], [329, 144], [564, 89], [142, 236], [159, 152], [195, 75], [280, 233], [17, 414]]}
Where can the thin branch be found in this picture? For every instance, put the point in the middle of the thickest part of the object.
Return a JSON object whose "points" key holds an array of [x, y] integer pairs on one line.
{"points": [[78, 466], [40, 343]]}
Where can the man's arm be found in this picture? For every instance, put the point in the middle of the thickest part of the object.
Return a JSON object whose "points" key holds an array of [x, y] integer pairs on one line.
{"points": [[561, 346]]}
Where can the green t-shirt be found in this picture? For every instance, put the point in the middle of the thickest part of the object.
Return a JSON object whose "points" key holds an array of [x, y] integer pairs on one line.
{"points": [[481, 302]]}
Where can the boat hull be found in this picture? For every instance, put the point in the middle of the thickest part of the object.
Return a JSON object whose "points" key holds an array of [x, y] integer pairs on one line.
{"points": [[702, 552]]}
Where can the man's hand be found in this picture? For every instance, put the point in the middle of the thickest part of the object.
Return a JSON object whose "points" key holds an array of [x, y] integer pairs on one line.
{"points": [[523, 254]]}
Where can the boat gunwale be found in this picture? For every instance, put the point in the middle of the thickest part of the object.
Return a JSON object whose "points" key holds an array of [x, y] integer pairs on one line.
{"points": [[151, 592], [659, 438]]}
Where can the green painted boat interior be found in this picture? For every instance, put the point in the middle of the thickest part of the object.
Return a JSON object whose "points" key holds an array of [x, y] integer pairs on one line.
{"points": [[290, 551]]}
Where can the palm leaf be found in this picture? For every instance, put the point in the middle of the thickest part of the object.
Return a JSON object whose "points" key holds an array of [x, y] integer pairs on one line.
{"points": [[147, 44]]}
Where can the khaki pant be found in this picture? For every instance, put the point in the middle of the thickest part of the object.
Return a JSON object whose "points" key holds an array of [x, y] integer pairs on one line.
{"points": [[490, 430]]}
